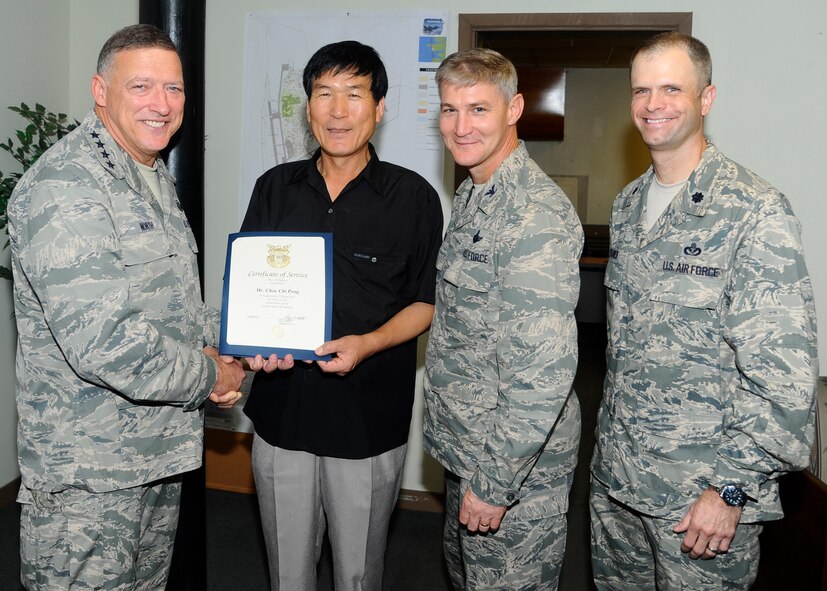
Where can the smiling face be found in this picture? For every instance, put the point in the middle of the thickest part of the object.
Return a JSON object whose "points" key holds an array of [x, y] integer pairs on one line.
{"points": [[668, 103], [343, 114], [478, 126], [140, 100]]}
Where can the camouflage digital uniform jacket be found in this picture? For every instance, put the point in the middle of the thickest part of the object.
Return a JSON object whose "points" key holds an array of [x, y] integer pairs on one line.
{"points": [[712, 359], [502, 354], [110, 373]]}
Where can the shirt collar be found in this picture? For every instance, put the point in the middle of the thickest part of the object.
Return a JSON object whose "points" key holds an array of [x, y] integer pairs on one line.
{"points": [[488, 199], [371, 173], [111, 156], [697, 195]]}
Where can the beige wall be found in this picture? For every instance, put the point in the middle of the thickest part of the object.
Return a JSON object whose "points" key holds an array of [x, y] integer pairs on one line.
{"points": [[750, 121], [34, 41], [90, 24], [600, 142], [769, 69]]}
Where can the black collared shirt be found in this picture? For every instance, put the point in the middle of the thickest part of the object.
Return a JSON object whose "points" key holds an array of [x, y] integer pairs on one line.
{"points": [[387, 229]]}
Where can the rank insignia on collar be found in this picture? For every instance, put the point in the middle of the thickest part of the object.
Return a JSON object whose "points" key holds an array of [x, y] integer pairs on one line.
{"points": [[697, 197], [106, 159], [492, 190]]}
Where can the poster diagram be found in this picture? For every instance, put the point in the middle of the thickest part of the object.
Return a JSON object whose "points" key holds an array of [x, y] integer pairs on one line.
{"points": [[274, 121]]}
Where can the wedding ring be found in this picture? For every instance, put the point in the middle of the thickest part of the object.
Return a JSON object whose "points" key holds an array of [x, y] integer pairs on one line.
{"points": [[484, 524]]}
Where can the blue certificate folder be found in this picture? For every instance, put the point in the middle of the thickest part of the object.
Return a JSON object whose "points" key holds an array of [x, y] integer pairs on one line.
{"points": [[278, 294]]}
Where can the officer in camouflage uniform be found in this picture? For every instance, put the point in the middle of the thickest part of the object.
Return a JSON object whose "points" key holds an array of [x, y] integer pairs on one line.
{"points": [[501, 415], [111, 375], [712, 362]]}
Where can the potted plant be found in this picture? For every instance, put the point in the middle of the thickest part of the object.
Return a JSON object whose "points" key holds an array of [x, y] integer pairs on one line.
{"points": [[43, 130]]}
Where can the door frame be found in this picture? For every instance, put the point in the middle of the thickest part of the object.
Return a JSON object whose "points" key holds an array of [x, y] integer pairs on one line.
{"points": [[471, 24]]}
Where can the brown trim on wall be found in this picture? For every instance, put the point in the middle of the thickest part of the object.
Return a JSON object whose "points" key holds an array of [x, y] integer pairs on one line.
{"points": [[469, 24], [8, 493]]}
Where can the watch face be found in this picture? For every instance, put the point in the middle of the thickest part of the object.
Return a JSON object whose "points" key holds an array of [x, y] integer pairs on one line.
{"points": [[733, 496]]}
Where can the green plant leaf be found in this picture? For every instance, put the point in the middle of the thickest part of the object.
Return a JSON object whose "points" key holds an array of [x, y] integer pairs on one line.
{"points": [[43, 129]]}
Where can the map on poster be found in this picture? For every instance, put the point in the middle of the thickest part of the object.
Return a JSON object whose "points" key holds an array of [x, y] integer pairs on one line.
{"points": [[278, 45]]}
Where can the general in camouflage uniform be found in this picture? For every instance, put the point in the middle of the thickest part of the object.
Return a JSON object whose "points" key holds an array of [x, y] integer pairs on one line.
{"points": [[711, 358], [110, 370], [501, 415]]}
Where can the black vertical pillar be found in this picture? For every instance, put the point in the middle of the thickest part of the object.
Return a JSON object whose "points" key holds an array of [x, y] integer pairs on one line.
{"points": [[185, 22]]}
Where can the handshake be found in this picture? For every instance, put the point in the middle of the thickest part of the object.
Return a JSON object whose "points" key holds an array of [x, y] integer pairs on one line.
{"points": [[347, 353], [226, 391]]}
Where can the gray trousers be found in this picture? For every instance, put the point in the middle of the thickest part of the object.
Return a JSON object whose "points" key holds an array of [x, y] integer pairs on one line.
{"points": [[300, 494], [635, 552], [119, 540]]}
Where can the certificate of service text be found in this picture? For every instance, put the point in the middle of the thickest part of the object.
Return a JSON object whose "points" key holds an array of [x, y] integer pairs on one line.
{"points": [[278, 294]]}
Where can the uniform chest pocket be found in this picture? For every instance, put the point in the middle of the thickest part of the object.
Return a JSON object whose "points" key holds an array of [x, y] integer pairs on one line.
{"points": [[147, 259], [701, 292], [469, 288], [686, 315], [143, 248]]}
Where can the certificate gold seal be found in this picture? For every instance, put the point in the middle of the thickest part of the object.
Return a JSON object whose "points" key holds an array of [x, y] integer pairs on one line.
{"points": [[278, 256]]}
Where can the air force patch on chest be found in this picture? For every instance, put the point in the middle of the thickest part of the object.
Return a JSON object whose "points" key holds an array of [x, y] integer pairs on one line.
{"points": [[684, 268], [476, 257]]}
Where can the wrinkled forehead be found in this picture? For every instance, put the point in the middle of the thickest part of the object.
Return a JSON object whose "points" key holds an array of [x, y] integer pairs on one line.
{"points": [[146, 62]]}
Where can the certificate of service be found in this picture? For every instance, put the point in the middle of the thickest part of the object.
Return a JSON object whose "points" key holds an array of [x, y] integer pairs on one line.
{"points": [[278, 294]]}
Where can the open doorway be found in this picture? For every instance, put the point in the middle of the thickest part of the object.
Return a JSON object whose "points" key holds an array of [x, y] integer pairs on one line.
{"points": [[600, 151]]}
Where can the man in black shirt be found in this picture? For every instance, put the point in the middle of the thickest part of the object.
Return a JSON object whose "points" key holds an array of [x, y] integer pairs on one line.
{"points": [[331, 436]]}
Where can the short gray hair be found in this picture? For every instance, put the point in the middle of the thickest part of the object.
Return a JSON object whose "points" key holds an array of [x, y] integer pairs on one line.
{"points": [[132, 37], [476, 66]]}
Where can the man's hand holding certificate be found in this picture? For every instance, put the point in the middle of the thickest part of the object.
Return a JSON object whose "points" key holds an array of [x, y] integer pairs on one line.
{"points": [[277, 295]]}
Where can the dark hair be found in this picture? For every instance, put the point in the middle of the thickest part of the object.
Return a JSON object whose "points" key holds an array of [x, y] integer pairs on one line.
{"points": [[349, 57], [695, 49], [132, 37]]}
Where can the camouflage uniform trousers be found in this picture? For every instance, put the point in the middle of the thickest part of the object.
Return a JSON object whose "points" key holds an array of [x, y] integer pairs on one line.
{"points": [[635, 552], [119, 540], [522, 555]]}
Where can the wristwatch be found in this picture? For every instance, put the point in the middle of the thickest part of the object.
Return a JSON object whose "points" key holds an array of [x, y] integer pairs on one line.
{"points": [[733, 495]]}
